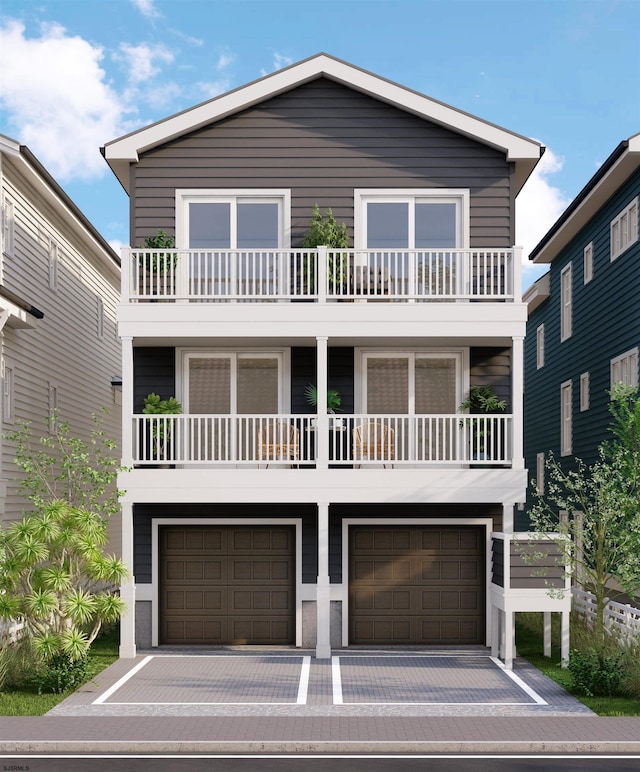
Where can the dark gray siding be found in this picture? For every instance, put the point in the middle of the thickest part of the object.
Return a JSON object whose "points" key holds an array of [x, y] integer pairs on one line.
{"points": [[545, 570], [606, 323], [491, 366], [322, 140], [154, 370], [340, 364]]}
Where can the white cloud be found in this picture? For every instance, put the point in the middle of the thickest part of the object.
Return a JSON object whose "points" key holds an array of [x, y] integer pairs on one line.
{"points": [[147, 8], [59, 100], [141, 60], [213, 88], [224, 60], [279, 61]]}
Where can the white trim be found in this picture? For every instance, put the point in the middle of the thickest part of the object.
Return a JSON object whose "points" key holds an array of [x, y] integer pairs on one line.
{"points": [[282, 196], [587, 263], [566, 418], [540, 347], [623, 230], [120, 152], [487, 522], [566, 302], [237, 521], [585, 397], [458, 196], [624, 368]]}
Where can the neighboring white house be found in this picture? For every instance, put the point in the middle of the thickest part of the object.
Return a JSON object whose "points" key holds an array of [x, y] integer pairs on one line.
{"points": [[59, 286], [253, 517]]}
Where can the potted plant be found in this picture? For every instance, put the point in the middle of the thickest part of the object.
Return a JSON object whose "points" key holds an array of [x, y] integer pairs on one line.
{"points": [[324, 231], [482, 400], [158, 266], [334, 400], [161, 431]]}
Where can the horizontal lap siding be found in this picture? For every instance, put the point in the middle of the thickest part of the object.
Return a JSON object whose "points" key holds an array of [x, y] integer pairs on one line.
{"points": [[322, 140]]}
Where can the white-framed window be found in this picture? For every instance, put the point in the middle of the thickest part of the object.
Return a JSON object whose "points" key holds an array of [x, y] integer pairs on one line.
{"points": [[411, 218], [624, 368], [8, 226], [566, 419], [8, 392], [566, 302], [540, 462], [624, 229], [588, 263], [100, 318], [54, 258], [233, 219], [584, 392], [540, 347]]}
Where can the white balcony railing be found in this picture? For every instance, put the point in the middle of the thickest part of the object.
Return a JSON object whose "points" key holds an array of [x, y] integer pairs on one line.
{"points": [[320, 275], [291, 440]]}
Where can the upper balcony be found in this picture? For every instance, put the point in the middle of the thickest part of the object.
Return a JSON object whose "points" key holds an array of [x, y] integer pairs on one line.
{"points": [[320, 275]]}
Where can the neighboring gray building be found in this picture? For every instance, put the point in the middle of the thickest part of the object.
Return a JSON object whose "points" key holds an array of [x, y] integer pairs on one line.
{"points": [[390, 522]]}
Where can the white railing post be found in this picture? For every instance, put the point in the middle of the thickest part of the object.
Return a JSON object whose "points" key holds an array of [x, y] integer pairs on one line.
{"points": [[322, 421], [517, 392], [322, 274], [127, 401], [516, 291]]}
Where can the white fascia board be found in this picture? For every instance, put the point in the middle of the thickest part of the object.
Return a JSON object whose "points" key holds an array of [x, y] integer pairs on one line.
{"points": [[521, 150], [628, 162], [537, 293]]}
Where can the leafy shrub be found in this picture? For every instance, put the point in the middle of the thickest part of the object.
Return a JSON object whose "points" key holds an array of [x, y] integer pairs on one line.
{"points": [[61, 672], [596, 672]]}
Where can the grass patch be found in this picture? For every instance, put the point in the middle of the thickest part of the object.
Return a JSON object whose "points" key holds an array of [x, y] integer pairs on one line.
{"points": [[25, 700], [529, 643]]}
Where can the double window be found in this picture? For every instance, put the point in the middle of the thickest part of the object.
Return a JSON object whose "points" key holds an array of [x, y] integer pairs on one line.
{"points": [[624, 368]]}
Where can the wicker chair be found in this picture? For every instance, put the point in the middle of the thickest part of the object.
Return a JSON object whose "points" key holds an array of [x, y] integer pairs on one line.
{"points": [[373, 441], [279, 441]]}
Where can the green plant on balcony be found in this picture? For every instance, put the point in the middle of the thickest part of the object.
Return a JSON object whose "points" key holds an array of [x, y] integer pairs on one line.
{"points": [[325, 231], [481, 400], [161, 431], [159, 265]]}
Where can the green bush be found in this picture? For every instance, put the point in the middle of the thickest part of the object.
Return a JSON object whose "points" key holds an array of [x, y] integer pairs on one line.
{"points": [[61, 672], [596, 672]]}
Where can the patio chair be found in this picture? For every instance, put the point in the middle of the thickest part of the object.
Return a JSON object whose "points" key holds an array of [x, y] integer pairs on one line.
{"points": [[373, 441], [279, 441]]}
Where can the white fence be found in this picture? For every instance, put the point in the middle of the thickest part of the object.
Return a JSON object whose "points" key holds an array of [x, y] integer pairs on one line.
{"points": [[618, 618], [10, 631]]}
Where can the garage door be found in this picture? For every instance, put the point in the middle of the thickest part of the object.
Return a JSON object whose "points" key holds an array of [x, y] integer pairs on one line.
{"points": [[416, 585], [227, 585]]}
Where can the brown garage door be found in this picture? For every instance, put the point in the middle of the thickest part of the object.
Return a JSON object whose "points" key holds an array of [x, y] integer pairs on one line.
{"points": [[416, 585], [227, 585]]}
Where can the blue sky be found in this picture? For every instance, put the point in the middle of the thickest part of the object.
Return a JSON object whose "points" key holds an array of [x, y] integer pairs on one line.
{"points": [[79, 73]]}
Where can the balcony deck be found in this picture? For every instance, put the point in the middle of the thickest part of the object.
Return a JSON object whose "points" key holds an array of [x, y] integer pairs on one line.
{"points": [[320, 275]]}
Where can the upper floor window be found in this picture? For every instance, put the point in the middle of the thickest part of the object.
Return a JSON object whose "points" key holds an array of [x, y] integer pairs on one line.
{"points": [[540, 347], [7, 226], [624, 229], [100, 318], [233, 219], [566, 302], [566, 419], [412, 219], [8, 392], [584, 391], [624, 368], [588, 263], [53, 264]]}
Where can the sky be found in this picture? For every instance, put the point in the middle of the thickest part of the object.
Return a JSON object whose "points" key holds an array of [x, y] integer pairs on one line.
{"points": [[75, 74]]}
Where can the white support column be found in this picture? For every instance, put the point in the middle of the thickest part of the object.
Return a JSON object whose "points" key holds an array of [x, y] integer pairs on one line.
{"points": [[128, 588], [507, 518], [322, 422], [547, 633], [323, 591], [322, 275], [127, 402], [517, 394], [509, 638], [564, 646], [495, 631]]}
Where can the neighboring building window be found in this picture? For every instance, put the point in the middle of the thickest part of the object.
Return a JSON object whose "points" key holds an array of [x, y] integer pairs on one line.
{"points": [[624, 368], [566, 419], [624, 229], [53, 265], [540, 473], [584, 392], [7, 226], [588, 263], [566, 302], [53, 406], [8, 393], [100, 327], [540, 347]]}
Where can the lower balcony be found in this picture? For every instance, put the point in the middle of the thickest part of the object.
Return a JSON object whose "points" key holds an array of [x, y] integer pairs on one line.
{"points": [[335, 441]]}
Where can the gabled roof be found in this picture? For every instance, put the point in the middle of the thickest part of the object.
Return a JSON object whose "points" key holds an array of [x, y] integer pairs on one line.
{"points": [[119, 153], [624, 160]]}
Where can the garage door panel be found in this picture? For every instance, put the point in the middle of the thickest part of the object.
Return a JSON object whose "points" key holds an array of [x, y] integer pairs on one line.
{"points": [[429, 590], [242, 594]]}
